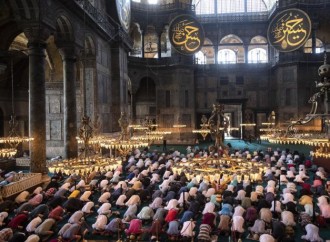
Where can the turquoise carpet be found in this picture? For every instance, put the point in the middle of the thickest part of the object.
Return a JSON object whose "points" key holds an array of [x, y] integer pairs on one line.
{"points": [[239, 145], [236, 144]]}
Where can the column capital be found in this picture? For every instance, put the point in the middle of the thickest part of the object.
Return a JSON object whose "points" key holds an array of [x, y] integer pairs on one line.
{"points": [[36, 34], [68, 51]]}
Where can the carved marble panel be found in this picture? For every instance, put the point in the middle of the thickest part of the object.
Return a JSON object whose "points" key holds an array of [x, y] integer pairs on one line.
{"points": [[55, 129], [54, 104]]}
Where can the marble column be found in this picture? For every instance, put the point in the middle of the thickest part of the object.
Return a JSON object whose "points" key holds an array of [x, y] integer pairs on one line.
{"points": [[142, 41], [37, 98], [133, 105], [246, 53], [159, 46], [70, 107], [313, 40], [216, 50]]}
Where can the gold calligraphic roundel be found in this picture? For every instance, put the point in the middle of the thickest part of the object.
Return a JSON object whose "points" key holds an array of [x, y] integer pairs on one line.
{"points": [[289, 30], [186, 34]]}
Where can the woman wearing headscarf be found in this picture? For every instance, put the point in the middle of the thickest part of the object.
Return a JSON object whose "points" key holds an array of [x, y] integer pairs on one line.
{"points": [[171, 215], [210, 219], [130, 212], [251, 215], [266, 238], [173, 229], [156, 229], [135, 227], [187, 230], [36, 200], [146, 213], [224, 225], [312, 233], [157, 203], [114, 226]]}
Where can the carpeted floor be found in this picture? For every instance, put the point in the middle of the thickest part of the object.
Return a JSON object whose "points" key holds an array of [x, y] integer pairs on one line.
{"points": [[239, 145], [236, 144]]}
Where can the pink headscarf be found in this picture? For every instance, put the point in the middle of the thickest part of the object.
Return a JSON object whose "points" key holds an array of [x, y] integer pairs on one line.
{"points": [[135, 227], [36, 200]]}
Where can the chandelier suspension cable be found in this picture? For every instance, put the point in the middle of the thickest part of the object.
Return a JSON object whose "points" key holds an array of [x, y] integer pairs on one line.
{"points": [[12, 86]]}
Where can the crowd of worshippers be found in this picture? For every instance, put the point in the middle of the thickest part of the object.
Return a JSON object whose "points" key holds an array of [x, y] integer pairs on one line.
{"points": [[143, 198]]}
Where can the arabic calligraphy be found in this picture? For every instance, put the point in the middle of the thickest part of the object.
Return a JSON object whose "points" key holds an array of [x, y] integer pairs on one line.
{"points": [[186, 34], [289, 30]]}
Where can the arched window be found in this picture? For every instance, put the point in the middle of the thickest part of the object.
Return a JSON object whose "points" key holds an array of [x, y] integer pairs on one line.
{"points": [[258, 50], [200, 58], [206, 54], [136, 36], [233, 43], [257, 55], [227, 56], [308, 48], [204, 7], [152, 1]]}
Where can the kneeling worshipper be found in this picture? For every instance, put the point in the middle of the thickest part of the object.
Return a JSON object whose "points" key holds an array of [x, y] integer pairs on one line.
{"points": [[114, 226], [312, 233], [45, 229], [72, 232], [135, 228], [100, 223]]}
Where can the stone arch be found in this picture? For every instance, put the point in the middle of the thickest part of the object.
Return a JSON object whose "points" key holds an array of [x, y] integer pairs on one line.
{"points": [[231, 44], [136, 36], [89, 45], [150, 42], [231, 39], [165, 43], [258, 50], [136, 77], [64, 30], [19, 43], [25, 9], [319, 46], [206, 55]]}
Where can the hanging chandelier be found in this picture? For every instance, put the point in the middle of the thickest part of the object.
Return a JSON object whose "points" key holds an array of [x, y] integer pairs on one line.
{"points": [[150, 133], [124, 144], [319, 140], [13, 139], [204, 131], [213, 168], [216, 125]]}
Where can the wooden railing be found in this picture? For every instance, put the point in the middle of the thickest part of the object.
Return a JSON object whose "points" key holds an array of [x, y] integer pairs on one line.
{"points": [[21, 183]]}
